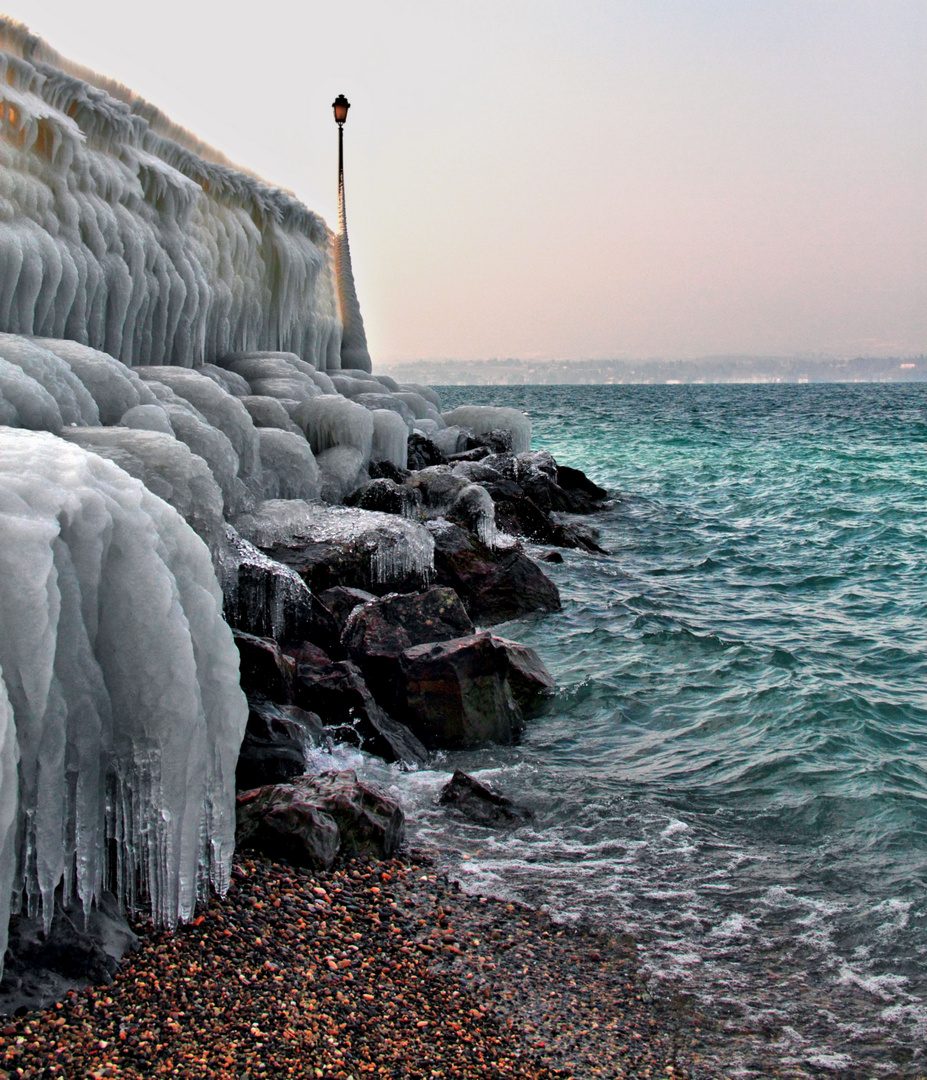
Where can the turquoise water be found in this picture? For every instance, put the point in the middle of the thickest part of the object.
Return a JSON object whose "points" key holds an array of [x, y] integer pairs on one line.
{"points": [[735, 766]]}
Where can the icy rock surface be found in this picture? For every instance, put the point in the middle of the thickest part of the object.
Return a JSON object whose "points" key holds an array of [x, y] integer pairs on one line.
{"points": [[119, 690], [482, 418], [398, 547], [290, 470]]}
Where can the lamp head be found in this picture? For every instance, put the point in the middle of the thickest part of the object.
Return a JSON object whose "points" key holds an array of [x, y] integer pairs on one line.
{"points": [[341, 106]]}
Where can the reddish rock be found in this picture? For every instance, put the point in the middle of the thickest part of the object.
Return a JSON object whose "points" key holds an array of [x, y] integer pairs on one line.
{"points": [[341, 600], [379, 631], [309, 821], [341, 697], [470, 691], [481, 804], [494, 585]]}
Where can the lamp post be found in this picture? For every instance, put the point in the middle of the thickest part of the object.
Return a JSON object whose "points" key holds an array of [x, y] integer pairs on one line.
{"points": [[340, 107], [354, 352]]}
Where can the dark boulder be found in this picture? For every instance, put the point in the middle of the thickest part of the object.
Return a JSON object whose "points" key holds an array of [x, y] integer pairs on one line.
{"points": [[341, 600], [575, 481], [378, 470], [268, 599], [423, 452], [266, 672], [470, 691], [378, 632], [497, 441], [387, 497], [311, 820], [341, 697], [276, 740], [481, 804], [324, 564], [77, 951], [494, 585]]}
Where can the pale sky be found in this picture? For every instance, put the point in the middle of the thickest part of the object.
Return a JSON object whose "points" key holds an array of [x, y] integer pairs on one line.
{"points": [[571, 178]]}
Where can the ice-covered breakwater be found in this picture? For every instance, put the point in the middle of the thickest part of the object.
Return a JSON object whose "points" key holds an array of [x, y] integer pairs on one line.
{"points": [[121, 231], [178, 431]]}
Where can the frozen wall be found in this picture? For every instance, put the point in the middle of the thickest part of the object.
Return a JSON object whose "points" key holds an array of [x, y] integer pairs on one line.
{"points": [[120, 231], [119, 690]]}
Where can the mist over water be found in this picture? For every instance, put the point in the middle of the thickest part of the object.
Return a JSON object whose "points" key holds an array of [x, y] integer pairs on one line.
{"points": [[735, 766]]}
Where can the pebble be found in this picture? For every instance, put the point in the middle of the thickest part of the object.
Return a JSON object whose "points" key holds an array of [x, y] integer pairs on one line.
{"points": [[375, 969]]}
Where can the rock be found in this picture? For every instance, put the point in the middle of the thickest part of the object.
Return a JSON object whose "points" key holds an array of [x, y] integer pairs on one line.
{"points": [[494, 585], [552, 557], [497, 441], [342, 600], [326, 564], [266, 672], [275, 744], [470, 691], [379, 631], [575, 480], [386, 469], [309, 821], [423, 452], [388, 497], [341, 697], [267, 599], [76, 952], [481, 804]]}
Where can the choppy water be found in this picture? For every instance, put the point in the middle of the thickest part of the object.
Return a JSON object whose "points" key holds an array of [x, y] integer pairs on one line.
{"points": [[735, 767]]}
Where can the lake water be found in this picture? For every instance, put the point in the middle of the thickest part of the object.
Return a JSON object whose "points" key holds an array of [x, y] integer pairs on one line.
{"points": [[735, 766]]}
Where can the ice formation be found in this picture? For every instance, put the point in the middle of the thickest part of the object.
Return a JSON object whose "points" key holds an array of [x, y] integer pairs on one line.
{"points": [[482, 418], [119, 690], [134, 238], [398, 547]]}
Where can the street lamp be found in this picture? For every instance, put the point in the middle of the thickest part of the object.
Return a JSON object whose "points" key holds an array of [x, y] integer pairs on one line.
{"points": [[354, 352], [340, 106]]}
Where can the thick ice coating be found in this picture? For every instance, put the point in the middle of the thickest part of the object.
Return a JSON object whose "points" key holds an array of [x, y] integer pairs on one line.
{"points": [[397, 546], [482, 418], [119, 690]]}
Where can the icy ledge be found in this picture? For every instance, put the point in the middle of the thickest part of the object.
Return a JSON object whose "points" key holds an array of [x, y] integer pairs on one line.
{"points": [[120, 711]]}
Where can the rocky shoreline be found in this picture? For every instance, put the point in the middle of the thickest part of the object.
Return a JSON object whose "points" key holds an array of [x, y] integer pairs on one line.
{"points": [[374, 968]]}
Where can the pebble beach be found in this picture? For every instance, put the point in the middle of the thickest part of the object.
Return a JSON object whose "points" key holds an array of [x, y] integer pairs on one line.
{"points": [[380, 969]]}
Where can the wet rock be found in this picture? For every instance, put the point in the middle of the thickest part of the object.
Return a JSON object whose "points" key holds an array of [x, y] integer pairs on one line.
{"points": [[276, 741], [266, 672], [497, 441], [377, 633], [387, 470], [576, 481], [339, 694], [268, 600], [423, 452], [77, 951], [342, 600], [494, 585], [311, 820], [388, 497], [470, 691], [552, 557], [481, 804]]}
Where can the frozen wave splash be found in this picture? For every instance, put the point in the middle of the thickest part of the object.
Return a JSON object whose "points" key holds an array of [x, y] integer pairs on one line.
{"points": [[119, 694]]}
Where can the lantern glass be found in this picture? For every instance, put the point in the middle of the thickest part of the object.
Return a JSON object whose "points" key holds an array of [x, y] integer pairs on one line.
{"points": [[341, 106]]}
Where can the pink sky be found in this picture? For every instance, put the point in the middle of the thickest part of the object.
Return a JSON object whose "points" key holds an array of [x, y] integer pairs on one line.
{"points": [[592, 179]]}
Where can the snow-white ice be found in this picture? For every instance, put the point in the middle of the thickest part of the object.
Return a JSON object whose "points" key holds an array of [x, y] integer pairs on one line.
{"points": [[121, 678]]}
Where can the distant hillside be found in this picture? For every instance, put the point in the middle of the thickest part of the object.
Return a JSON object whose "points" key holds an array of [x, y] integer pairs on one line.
{"points": [[706, 369]]}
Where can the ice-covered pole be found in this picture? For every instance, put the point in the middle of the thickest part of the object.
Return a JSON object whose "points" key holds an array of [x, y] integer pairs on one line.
{"points": [[354, 353]]}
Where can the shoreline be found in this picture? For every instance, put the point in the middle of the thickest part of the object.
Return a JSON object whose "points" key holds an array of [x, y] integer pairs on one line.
{"points": [[380, 969]]}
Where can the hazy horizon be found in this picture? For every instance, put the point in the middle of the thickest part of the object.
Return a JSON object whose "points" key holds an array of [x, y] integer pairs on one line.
{"points": [[609, 178]]}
